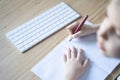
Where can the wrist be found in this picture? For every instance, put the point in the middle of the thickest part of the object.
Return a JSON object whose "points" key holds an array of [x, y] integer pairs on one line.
{"points": [[96, 26], [68, 77]]}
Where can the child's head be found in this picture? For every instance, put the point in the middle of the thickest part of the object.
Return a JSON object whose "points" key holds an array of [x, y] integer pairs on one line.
{"points": [[108, 35]]}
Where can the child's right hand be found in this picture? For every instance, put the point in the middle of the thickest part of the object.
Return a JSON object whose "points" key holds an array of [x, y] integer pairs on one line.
{"points": [[85, 30]]}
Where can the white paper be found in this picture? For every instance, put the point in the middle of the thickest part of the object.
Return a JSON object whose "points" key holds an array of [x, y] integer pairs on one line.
{"points": [[118, 78], [51, 67]]}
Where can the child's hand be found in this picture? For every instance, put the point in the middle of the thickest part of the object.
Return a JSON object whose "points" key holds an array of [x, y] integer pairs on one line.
{"points": [[85, 30], [74, 65]]}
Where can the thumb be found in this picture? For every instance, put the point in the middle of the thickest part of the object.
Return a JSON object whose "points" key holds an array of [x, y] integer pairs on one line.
{"points": [[78, 34]]}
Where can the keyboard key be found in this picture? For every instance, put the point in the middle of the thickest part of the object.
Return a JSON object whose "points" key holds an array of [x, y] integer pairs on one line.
{"points": [[42, 26]]}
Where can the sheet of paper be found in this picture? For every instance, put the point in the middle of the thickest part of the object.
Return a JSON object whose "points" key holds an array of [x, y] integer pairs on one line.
{"points": [[51, 67], [118, 78], [88, 44]]}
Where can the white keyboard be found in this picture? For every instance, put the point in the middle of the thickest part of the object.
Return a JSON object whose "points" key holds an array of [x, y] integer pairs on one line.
{"points": [[42, 26]]}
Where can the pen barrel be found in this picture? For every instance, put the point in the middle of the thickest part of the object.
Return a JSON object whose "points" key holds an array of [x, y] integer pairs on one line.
{"points": [[81, 24]]}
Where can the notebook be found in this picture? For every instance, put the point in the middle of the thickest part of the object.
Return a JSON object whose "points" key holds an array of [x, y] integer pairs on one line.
{"points": [[51, 67]]}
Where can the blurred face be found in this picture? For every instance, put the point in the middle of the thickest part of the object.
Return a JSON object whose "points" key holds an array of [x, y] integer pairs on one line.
{"points": [[108, 35]]}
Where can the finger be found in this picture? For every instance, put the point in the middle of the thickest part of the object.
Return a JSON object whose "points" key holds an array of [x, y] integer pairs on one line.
{"points": [[71, 27], [74, 52], [78, 34], [65, 58], [80, 56], [70, 31], [86, 63], [81, 33], [69, 53]]}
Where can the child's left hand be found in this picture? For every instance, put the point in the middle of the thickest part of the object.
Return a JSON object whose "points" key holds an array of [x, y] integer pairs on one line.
{"points": [[74, 65]]}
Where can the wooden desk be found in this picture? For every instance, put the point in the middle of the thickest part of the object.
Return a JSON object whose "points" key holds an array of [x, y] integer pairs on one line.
{"points": [[15, 65]]}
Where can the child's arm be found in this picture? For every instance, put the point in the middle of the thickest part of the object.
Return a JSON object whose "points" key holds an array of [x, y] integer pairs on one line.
{"points": [[85, 30], [74, 66]]}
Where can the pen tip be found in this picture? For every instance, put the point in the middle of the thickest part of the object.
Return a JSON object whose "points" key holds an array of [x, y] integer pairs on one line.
{"points": [[70, 39]]}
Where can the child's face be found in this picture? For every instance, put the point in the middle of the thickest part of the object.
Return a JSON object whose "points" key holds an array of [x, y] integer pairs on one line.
{"points": [[108, 35]]}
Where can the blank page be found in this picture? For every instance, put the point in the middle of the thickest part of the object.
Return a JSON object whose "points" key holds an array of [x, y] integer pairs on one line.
{"points": [[51, 67]]}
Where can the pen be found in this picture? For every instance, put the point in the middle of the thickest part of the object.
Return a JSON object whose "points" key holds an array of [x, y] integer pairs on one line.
{"points": [[80, 25]]}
